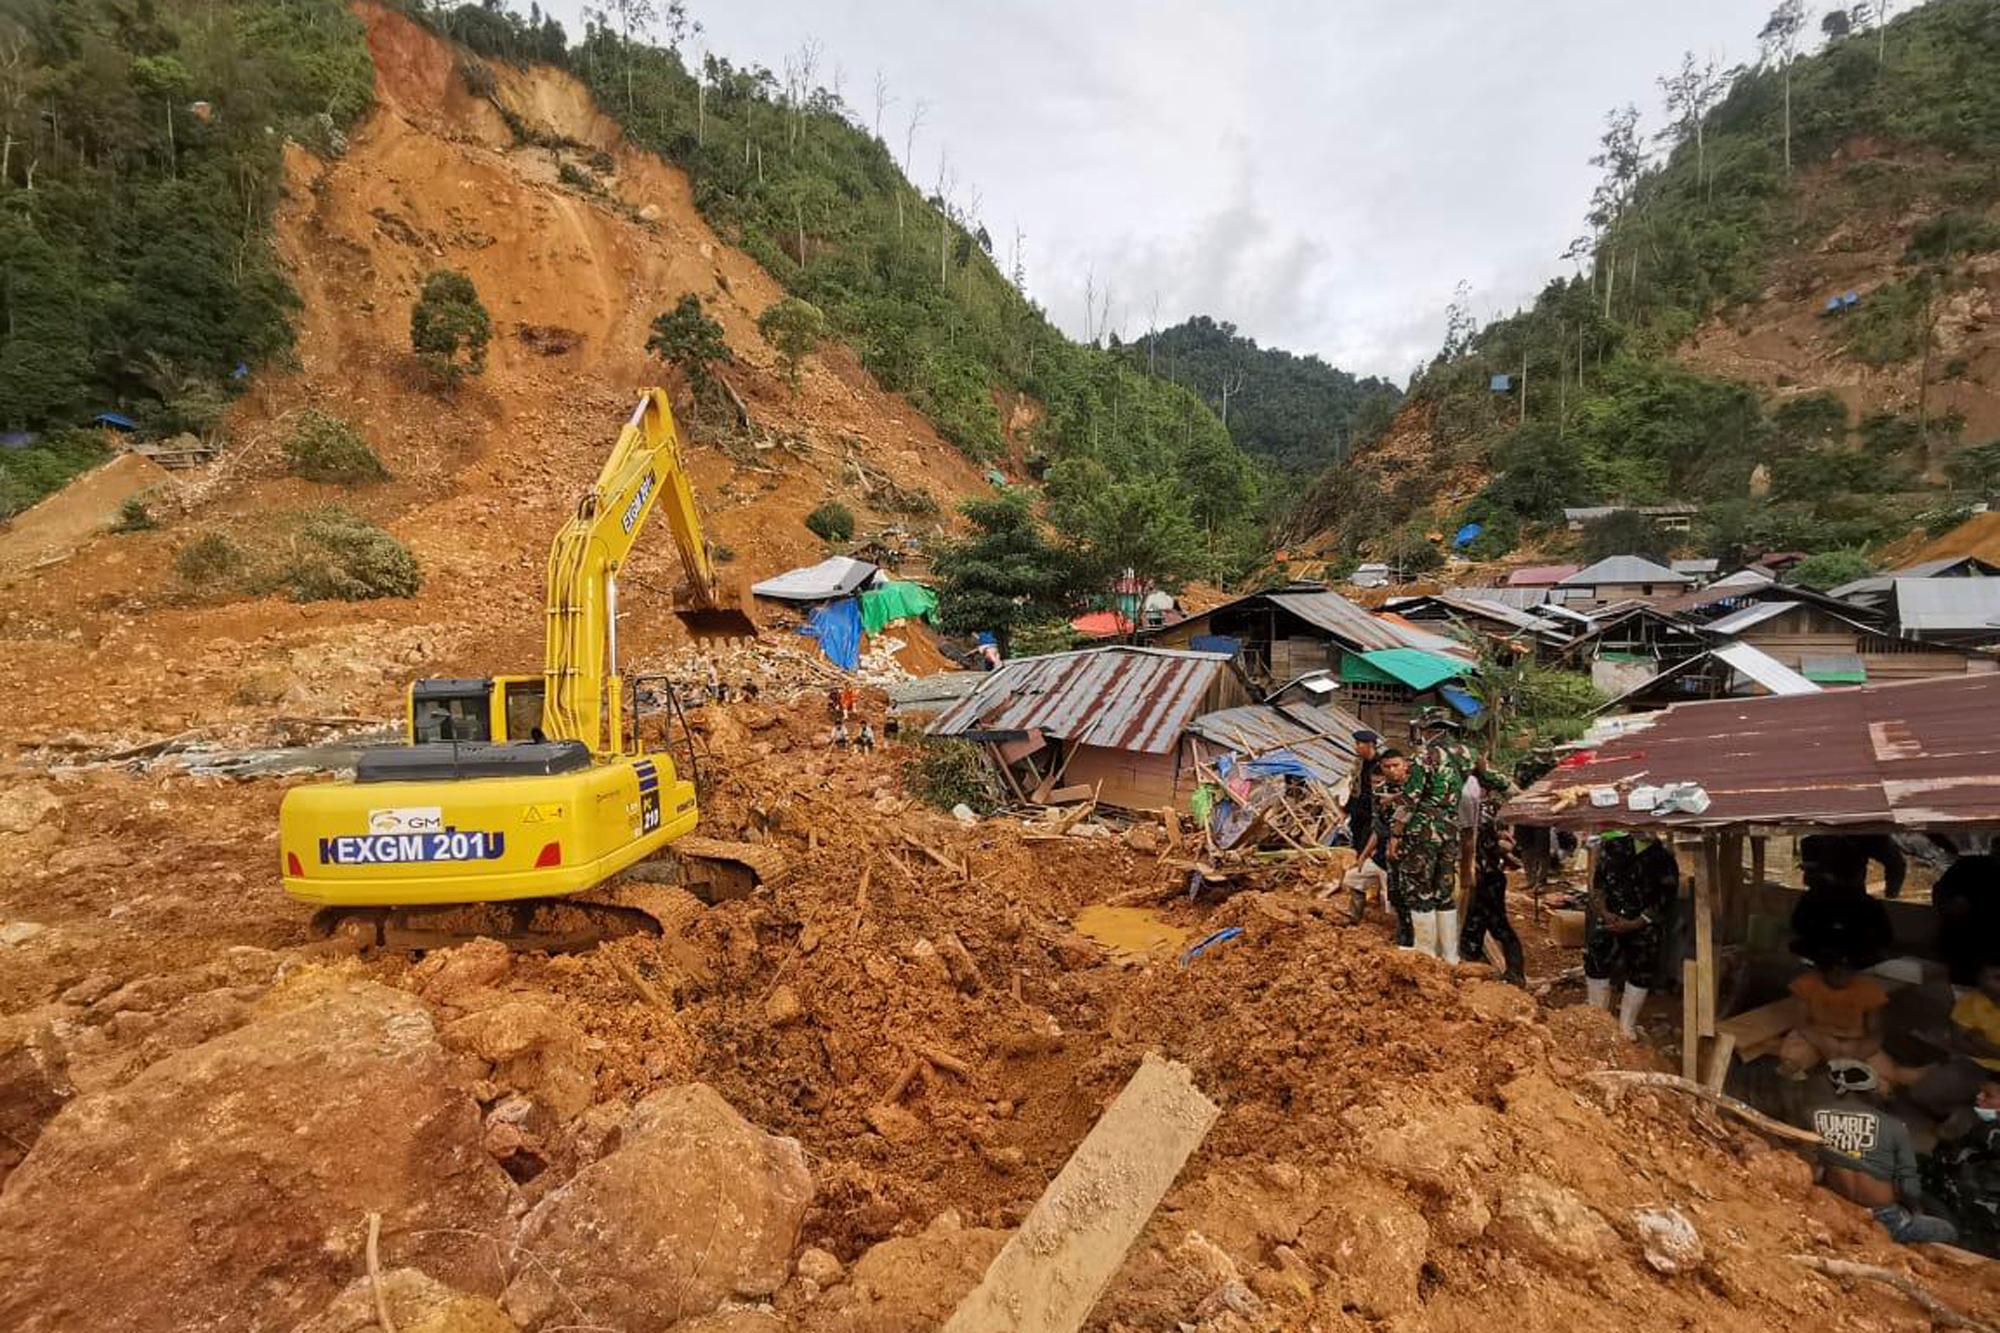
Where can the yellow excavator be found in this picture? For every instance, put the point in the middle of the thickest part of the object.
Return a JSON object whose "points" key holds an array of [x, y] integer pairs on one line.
{"points": [[517, 799]]}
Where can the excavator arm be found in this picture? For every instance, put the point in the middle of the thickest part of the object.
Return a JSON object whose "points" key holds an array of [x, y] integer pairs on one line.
{"points": [[580, 659]]}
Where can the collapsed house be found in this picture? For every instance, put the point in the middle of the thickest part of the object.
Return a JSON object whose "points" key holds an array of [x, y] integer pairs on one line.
{"points": [[1136, 728]]}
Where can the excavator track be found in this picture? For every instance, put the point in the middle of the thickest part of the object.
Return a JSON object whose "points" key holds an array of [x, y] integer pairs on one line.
{"points": [[659, 898]]}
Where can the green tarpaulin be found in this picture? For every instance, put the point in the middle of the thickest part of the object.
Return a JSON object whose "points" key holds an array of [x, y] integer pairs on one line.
{"points": [[1413, 667], [896, 601]]}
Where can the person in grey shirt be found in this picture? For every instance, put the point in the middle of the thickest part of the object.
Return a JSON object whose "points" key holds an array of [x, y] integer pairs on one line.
{"points": [[1867, 1156]]}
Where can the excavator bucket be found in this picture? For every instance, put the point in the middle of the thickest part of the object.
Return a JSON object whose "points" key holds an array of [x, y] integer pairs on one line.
{"points": [[731, 615]]}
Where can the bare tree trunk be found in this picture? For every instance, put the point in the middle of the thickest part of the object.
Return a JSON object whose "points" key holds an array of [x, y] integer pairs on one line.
{"points": [[173, 150], [1788, 118], [700, 115], [944, 237], [1523, 419], [1610, 281]]}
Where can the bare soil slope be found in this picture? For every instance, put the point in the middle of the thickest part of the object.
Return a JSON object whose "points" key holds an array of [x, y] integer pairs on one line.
{"points": [[108, 643]]}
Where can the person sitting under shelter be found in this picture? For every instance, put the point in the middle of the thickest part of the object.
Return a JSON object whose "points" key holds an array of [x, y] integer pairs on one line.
{"points": [[1843, 1021], [1966, 899], [1867, 1156], [1971, 1044], [1836, 918], [1963, 1174]]}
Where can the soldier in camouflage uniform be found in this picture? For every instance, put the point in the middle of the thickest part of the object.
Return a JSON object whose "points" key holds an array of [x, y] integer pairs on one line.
{"points": [[1634, 885], [1425, 846]]}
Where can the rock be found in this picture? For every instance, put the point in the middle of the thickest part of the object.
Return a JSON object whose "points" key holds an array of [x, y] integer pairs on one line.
{"points": [[449, 976], [20, 932], [782, 1007], [34, 1085], [964, 813], [1668, 1240], [531, 1048], [817, 1265], [25, 807], [1498, 1001], [225, 1186], [1551, 1225], [1439, 1148], [696, 1205], [927, 962], [417, 1303], [1142, 838], [911, 1284], [1463, 1219], [1374, 1242], [894, 1123], [91, 989]]}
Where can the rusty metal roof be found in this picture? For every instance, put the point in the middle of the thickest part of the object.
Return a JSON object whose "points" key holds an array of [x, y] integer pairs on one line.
{"points": [[1916, 754], [1321, 735], [1356, 626], [1122, 698]]}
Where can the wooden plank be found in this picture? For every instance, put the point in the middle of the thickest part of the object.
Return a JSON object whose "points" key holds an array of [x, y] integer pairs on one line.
{"points": [[1052, 1270], [1065, 795], [1719, 1057], [1690, 1024]]}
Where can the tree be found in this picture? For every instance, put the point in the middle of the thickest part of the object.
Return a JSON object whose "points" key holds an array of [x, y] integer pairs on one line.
{"points": [[1137, 530], [1623, 159], [1007, 574], [44, 349], [795, 329], [449, 328], [1624, 532], [692, 343], [1780, 40], [1690, 93], [1830, 569]]}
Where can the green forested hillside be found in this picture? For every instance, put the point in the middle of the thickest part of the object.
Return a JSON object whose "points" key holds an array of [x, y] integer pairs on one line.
{"points": [[1296, 413], [912, 281], [141, 161], [1679, 238]]}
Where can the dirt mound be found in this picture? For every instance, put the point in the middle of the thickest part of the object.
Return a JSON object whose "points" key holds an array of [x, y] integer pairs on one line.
{"points": [[78, 512], [231, 1180]]}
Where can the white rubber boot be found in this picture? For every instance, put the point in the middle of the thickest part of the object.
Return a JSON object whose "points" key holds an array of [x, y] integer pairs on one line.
{"points": [[1425, 925], [1629, 1005], [1597, 992], [1447, 929]]}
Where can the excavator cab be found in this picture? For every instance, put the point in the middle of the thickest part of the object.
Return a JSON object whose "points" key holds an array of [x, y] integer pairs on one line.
{"points": [[492, 708]]}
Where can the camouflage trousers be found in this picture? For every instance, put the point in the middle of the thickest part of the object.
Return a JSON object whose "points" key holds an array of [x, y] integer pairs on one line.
{"points": [[1426, 873], [1634, 955]]}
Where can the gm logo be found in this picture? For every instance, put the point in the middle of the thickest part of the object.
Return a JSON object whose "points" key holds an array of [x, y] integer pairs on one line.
{"points": [[638, 503], [407, 819]]}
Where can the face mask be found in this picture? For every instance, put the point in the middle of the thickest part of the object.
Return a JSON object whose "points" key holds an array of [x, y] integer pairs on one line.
{"points": [[1987, 1113]]}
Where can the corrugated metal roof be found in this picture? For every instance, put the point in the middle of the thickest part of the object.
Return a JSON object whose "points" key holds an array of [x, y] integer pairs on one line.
{"points": [[1121, 698], [1755, 614], [1355, 626], [1918, 754], [1703, 566], [835, 576], [1321, 736], [1477, 604], [1623, 569], [1968, 605], [925, 693], [1519, 598], [1765, 669], [1540, 576]]}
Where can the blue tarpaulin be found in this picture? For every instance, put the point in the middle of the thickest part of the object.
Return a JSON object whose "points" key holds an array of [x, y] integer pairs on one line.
{"points": [[1276, 764], [1214, 643], [1462, 700], [837, 626], [1467, 534], [115, 420], [1501, 384]]}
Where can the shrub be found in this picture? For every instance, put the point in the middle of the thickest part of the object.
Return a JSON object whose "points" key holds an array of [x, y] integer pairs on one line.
{"points": [[1976, 469], [945, 773], [339, 556], [1890, 324], [26, 475], [209, 560], [831, 522], [134, 516], [691, 342], [577, 178], [449, 328], [323, 447]]}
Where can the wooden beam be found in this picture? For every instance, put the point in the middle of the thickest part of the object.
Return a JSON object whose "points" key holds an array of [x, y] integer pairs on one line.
{"points": [[1690, 1024], [1053, 1269], [1705, 864]]}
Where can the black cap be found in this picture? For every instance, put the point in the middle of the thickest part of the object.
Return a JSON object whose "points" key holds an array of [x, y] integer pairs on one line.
{"points": [[1366, 735]]}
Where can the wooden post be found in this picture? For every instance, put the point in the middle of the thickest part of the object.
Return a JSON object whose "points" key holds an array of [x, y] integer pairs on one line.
{"points": [[1704, 934], [1690, 1023], [1757, 862]]}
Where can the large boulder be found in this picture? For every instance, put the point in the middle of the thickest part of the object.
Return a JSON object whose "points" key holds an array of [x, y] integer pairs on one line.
{"points": [[227, 1185], [533, 1048], [695, 1206], [911, 1284]]}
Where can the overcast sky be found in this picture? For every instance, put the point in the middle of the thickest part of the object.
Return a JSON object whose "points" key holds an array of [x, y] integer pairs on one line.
{"points": [[1319, 174]]}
